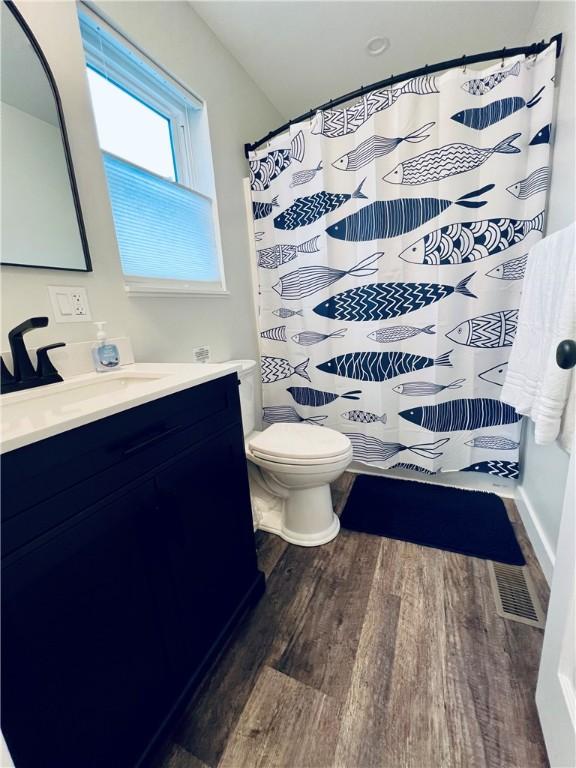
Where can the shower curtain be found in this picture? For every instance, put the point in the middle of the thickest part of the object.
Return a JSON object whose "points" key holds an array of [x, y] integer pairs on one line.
{"points": [[391, 239]]}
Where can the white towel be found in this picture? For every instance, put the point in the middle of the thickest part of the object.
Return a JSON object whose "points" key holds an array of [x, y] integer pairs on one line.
{"points": [[534, 383]]}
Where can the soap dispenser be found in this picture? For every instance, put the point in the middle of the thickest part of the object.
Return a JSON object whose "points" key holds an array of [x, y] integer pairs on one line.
{"points": [[105, 355]]}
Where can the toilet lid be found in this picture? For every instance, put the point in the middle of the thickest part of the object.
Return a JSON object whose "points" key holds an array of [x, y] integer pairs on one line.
{"points": [[299, 441]]}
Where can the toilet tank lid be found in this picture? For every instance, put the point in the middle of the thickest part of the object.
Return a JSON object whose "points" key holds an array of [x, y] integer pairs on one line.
{"points": [[300, 441]]}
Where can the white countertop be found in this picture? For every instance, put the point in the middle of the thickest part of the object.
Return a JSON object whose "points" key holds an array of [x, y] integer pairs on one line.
{"points": [[35, 414]]}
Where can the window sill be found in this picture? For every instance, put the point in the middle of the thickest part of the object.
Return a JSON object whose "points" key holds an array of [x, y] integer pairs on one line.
{"points": [[152, 290]]}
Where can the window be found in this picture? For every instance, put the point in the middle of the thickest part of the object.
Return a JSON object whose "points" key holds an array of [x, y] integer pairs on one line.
{"points": [[156, 151]]}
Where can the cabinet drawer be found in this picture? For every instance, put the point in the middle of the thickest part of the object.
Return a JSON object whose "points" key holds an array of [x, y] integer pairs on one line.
{"points": [[113, 451]]}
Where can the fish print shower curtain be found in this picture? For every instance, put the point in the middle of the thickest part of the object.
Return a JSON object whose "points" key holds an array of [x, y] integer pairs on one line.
{"points": [[391, 239]]}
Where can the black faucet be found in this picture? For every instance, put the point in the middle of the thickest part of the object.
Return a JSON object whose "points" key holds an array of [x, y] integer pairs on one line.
{"points": [[24, 374]]}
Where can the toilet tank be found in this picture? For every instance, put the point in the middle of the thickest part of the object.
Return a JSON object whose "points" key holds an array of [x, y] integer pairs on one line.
{"points": [[247, 375]]}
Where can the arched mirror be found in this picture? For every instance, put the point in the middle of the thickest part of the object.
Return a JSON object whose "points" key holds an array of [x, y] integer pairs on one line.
{"points": [[42, 222]]}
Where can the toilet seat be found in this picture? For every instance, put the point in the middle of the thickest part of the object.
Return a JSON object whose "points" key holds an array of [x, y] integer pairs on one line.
{"points": [[300, 445]]}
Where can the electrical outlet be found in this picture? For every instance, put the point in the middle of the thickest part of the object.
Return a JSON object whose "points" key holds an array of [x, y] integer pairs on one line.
{"points": [[69, 304], [79, 307]]}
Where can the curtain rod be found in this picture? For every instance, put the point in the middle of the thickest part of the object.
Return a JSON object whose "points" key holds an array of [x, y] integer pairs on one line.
{"points": [[527, 50]]}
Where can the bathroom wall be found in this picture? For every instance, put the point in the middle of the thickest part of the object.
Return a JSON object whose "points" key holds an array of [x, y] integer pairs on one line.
{"points": [[541, 493], [162, 329]]}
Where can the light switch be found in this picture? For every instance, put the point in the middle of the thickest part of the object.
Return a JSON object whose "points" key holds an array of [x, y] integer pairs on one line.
{"points": [[64, 303], [69, 304]]}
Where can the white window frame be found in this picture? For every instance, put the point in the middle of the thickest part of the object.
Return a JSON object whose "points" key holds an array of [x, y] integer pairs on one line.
{"points": [[110, 53]]}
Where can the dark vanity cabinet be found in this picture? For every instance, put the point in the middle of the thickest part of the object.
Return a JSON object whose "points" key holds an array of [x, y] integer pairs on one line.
{"points": [[128, 557]]}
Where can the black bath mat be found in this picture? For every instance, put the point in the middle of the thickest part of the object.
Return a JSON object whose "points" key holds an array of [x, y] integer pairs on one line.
{"points": [[469, 522]]}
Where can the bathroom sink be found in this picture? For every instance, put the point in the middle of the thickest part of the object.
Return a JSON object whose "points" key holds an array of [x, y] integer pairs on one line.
{"points": [[41, 412], [68, 395]]}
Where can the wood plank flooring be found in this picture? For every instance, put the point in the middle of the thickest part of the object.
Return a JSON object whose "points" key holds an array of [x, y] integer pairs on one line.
{"points": [[370, 653]]}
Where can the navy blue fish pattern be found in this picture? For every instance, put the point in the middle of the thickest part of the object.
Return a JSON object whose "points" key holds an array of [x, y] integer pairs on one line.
{"points": [[333, 123], [286, 414], [482, 117], [380, 366], [392, 239], [495, 375], [275, 334], [382, 301], [305, 281], [316, 397], [542, 137], [538, 181], [391, 218], [493, 443], [307, 338], [470, 240], [423, 388], [412, 468], [372, 449], [479, 86], [496, 329], [261, 210], [265, 170], [285, 312], [307, 210], [509, 469], [513, 269], [449, 160], [378, 146], [462, 414]]}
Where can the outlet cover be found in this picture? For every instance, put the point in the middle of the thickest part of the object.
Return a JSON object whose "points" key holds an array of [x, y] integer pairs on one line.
{"points": [[69, 304]]}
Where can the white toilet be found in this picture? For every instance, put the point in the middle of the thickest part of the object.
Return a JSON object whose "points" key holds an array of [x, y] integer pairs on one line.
{"points": [[290, 467]]}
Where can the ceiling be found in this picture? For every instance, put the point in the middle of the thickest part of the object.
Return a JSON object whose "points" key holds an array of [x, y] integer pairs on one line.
{"points": [[303, 53]]}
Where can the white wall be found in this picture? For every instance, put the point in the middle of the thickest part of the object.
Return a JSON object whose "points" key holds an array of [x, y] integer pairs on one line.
{"points": [[541, 493], [162, 329]]}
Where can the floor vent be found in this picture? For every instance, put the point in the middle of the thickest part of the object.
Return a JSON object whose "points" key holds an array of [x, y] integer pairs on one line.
{"points": [[515, 595]]}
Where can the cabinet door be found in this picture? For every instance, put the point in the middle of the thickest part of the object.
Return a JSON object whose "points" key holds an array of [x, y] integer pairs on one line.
{"points": [[87, 676], [205, 505]]}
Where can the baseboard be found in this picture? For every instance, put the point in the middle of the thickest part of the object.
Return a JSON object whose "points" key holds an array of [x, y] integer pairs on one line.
{"points": [[540, 542]]}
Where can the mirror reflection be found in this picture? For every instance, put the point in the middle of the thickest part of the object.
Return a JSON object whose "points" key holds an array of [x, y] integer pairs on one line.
{"points": [[41, 219]]}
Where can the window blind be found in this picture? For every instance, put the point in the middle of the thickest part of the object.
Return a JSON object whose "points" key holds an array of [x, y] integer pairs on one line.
{"points": [[163, 230]]}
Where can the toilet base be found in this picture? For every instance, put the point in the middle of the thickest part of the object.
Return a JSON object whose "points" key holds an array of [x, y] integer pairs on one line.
{"points": [[304, 516], [302, 540]]}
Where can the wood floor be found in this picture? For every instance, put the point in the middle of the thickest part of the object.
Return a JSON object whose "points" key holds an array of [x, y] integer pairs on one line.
{"points": [[371, 653]]}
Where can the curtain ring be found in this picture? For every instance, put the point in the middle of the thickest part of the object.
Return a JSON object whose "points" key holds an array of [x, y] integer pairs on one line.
{"points": [[464, 62], [503, 54]]}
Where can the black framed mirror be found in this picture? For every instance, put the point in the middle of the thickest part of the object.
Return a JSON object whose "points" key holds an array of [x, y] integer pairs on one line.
{"points": [[42, 224]]}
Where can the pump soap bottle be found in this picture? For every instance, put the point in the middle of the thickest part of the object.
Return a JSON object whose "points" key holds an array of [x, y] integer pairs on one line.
{"points": [[105, 355]]}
